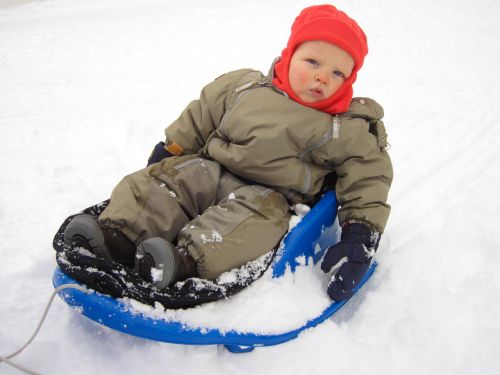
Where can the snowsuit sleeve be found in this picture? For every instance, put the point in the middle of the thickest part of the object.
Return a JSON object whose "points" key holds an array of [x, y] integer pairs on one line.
{"points": [[202, 116], [363, 167]]}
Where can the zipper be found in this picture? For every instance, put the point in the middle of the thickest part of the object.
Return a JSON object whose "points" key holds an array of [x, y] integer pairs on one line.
{"points": [[188, 163], [307, 178], [325, 138], [241, 91], [228, 112]]}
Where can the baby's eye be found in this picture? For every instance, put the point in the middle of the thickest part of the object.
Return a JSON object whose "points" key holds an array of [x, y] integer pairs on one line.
{"points": [[312, 61], [339, 74]]}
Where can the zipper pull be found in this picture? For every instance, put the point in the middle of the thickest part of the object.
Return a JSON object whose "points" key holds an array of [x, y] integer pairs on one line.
{"points": [[335, 127]]}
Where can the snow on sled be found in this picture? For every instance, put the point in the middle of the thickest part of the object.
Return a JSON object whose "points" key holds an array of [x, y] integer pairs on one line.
{"points": [[306, 241]]}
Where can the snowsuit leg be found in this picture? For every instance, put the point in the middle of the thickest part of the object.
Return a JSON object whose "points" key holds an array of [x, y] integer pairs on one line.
{"points": [[224, 222], [243, 226], [159, 200]]}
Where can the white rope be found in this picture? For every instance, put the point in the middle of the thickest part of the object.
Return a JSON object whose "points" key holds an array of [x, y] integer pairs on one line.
{"points": [[7, 358]]}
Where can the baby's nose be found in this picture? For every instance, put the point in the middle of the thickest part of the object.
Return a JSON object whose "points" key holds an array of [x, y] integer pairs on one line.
{"points": [[322, 78]]}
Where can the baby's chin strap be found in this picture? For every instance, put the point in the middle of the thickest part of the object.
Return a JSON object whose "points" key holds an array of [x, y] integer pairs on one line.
{"points": [[7, 359]]}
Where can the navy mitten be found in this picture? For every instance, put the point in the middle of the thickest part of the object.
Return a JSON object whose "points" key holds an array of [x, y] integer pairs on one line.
{"points": [[158, 154], [356, 248]]}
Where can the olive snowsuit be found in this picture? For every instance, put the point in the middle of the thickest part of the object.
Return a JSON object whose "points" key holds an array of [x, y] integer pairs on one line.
{"points": [[245, 148]]}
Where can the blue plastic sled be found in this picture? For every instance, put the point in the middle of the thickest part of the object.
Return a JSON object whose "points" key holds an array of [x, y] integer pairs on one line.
{"points": [[310, 237]]}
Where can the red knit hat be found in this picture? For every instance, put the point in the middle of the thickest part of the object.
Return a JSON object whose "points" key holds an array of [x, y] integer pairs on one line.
{"points": [[328, 24]]}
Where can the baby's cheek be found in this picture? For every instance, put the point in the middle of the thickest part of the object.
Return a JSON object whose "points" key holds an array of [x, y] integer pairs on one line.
{"points": [[303, 78]]}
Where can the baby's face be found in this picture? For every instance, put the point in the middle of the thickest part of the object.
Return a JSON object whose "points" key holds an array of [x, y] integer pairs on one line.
{"points": [[318, 69]]}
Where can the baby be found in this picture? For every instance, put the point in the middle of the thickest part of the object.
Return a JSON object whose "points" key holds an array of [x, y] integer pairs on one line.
{"points": [[216, 194]]}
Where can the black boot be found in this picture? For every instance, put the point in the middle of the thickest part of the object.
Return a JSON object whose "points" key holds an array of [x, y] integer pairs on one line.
{"points": [[86, 231], [159, 262]]}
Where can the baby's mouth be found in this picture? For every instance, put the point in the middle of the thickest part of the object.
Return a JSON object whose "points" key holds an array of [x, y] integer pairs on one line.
{"points": [[316, 93]]}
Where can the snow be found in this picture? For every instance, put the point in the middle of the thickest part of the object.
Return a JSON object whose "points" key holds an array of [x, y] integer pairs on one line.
{"points": [[293, 292], [215, 236], [86, 89], [157, 274]]}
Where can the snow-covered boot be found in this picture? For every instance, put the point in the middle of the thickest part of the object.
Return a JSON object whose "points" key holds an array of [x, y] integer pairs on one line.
{"points": [[159, 262], [85, 231]]}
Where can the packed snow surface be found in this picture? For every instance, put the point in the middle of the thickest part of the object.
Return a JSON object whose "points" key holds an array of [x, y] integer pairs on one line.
{"points": [[86, 89]]}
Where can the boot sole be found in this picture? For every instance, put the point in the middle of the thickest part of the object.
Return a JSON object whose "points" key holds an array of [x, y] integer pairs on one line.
{"points": [[163, 254], [87, 227]]}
